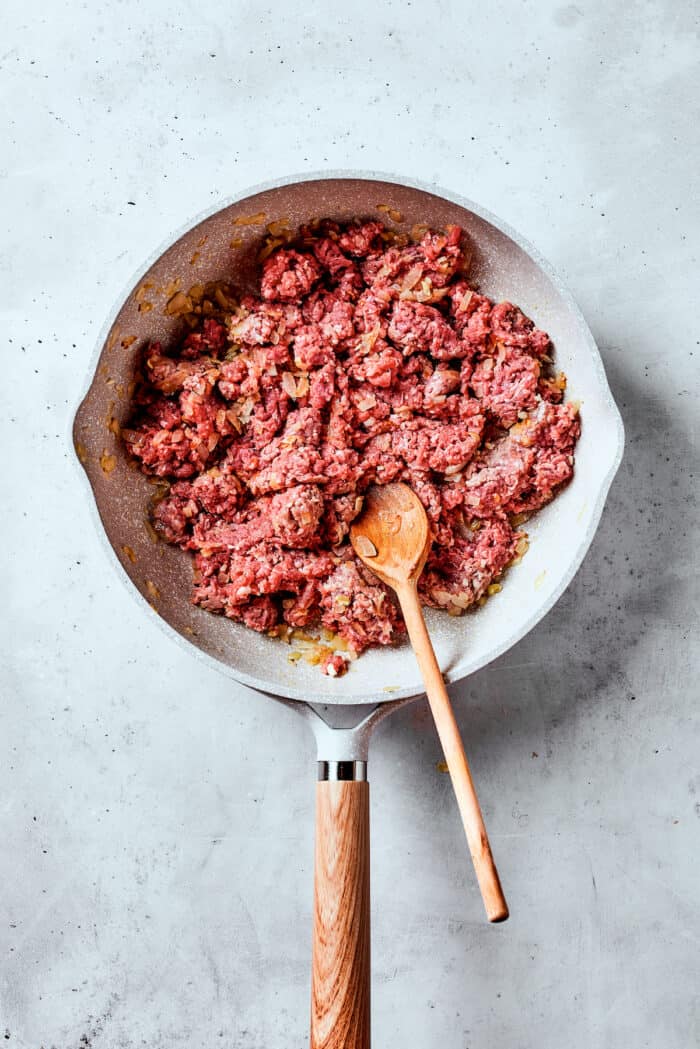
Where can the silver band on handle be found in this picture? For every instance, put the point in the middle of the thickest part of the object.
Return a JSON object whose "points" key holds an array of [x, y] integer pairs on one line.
{"points": [[342, 770]]}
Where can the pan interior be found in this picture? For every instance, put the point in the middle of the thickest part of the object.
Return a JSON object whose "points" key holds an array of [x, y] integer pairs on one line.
{"points": [[225, 246]]}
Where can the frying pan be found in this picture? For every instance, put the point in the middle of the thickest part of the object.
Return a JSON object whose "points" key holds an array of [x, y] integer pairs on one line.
{"points": [[342, 712]]}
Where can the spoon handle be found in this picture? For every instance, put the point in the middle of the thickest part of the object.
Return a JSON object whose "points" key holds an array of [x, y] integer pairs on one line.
{"points": [[448, 731]]}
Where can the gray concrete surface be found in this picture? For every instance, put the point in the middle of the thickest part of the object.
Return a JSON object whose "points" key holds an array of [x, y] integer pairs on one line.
{"points": [[156, 822]]}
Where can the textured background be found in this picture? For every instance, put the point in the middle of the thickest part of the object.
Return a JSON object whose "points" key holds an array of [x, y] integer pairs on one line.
{"points": [[156, 821]]}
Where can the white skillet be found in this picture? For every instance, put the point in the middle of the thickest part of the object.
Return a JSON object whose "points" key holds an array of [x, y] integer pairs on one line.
{"points": [[343, 712]]}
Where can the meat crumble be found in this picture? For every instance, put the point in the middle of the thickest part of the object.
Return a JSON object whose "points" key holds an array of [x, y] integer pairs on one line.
{"points": [[367, 357]]}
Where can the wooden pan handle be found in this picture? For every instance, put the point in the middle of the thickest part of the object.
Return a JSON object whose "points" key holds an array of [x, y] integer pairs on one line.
{"points": [[448, 731], [340, 979]]}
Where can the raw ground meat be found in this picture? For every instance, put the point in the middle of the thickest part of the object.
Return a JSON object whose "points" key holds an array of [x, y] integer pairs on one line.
{"points": [[366, 358]]}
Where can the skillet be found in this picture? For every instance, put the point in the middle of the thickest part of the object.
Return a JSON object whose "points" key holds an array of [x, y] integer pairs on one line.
{"points": [[342, 712]]}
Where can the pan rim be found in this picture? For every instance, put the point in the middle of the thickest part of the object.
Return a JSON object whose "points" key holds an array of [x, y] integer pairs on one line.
{"points": [[354, 699]]}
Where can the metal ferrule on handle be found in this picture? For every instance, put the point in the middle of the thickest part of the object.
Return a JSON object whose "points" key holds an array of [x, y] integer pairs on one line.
{"points": [[347, 771]]}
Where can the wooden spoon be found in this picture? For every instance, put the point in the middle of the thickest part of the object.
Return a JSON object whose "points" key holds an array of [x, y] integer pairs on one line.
{"points": [[392, 537]]}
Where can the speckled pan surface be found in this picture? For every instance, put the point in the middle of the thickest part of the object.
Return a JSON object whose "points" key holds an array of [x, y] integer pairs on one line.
{"points": [[224, 245]]}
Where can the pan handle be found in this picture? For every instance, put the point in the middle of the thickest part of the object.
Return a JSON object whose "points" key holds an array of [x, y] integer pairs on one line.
{"points": [[340, 978]]}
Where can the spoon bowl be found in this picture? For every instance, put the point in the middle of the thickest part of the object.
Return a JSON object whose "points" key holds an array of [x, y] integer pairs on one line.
{"points": [[392, 535]]}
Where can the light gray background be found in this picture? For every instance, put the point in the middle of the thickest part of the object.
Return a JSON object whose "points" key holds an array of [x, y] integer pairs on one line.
{"points": [[156, 822]]}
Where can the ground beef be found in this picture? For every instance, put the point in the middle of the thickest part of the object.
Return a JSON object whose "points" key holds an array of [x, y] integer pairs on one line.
{"points": [[414, 326], [366, 358], [458, 575], [506, 384], [288, 276]]}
